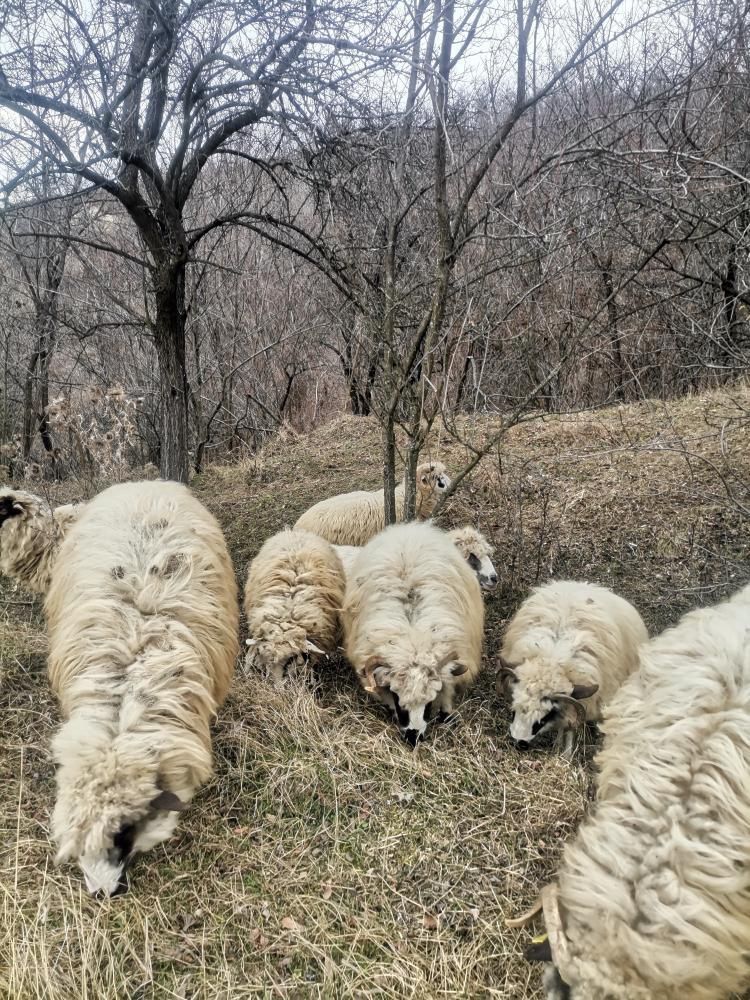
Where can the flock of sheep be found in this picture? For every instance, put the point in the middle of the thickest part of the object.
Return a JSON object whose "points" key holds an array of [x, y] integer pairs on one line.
{"points": [[652, 898]]}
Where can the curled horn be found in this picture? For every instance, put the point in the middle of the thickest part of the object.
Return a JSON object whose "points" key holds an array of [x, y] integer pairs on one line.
{"points": [[528, 915], [577, 706], [553, 923]]}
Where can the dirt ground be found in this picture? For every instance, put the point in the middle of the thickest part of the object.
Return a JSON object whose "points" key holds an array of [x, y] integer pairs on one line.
{"points": [[326, 859]]}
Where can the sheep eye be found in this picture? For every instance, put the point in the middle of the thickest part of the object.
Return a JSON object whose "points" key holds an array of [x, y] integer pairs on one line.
{"points": [[474, 562]]}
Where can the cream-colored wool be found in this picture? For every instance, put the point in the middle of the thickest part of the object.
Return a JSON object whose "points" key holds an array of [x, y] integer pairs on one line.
{"points": [[471, 543], [654, 891], [293, 597], [30, 536], [568, 634], [413, 621], [354, 518], [143, 617], [477, 551]]}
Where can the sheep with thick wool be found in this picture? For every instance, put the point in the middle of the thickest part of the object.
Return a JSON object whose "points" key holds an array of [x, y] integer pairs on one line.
{"points": [[470, 542], [413, 620], [293, 598], [30, 536], [652, 900], [566, 652], [355, 518], [143, 617]]}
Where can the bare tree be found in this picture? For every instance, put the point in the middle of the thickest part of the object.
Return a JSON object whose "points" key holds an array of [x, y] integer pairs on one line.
{"points": [[161, 88]]}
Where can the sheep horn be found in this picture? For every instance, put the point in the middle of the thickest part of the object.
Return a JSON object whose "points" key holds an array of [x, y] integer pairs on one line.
{"points": [[553, 923], [312, 648], [525, 917], [579, 707]]}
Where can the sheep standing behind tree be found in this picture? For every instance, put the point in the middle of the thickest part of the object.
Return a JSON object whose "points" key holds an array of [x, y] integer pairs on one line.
{"points": [[653, 895], [355, 518], [413, 623], [293, 597], [566, 652], [143, 616], [30, 536]]}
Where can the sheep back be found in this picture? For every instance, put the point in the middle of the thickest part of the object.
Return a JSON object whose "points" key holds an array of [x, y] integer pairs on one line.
{"points": [[574, 633], [655, 888], [411, 588], [293, 596], [143, 620]]}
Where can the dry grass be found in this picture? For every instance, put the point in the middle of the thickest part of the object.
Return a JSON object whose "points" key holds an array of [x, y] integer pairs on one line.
{"points": [[326, 859]]}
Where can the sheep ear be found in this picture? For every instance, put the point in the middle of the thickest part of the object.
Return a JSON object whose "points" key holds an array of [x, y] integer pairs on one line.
{"points": [[168, 802], [581, 691], [375, 674], [539, 951]]}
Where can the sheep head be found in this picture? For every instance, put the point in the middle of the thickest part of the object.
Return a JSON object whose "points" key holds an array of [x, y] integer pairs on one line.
{"points": [[410, 685], [28, 539], [542, 698], [477, 551], [432, 481], [110, 806]]}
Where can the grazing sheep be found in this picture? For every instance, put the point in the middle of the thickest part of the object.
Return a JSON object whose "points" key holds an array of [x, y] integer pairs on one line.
{"points": [[566, 652], [293, 597], [471, 543], [30, 536], [653, 895], [143, 616], [477, 551], [354, 518], [413, 618]]}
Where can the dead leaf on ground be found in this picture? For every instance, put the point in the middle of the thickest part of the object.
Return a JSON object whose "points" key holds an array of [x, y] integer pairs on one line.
{"points": [[430, 922], [290, 924]]}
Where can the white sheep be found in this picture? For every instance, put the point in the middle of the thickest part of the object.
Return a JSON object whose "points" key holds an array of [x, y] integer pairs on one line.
{"points": [[293, 597], [472, 545], [653, 894], [30, 536], [413, 618], [354, 518], [143, 616], [567, 650]]}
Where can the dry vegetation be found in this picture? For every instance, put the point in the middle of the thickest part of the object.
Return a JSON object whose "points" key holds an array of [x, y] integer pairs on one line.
{"points": [[327, 860]]}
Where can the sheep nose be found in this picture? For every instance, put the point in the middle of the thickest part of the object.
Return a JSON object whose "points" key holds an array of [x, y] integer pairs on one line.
{"points": [[411, 736], [522, 745], [490, 582], [122, 886]]}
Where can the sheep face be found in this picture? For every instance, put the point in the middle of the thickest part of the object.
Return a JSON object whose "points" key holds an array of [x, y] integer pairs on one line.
{"points": [[17, 509], [107, 857], [432, 481], [477, 551], [415, 691], [542, 699]]}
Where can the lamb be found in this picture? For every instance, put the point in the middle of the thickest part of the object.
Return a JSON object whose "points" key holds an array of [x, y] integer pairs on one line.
{"points": [[354, 518], [30, 536], [143, 616], [413, 619], [653, 895], [293, 597], [566, 652], [471, 543]]}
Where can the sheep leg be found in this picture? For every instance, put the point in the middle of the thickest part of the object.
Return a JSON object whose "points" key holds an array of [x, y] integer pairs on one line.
{"points": [[565, 739]]}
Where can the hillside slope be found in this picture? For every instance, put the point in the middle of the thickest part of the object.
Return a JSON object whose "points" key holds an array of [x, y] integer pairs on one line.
{"points": [[326, 859]]}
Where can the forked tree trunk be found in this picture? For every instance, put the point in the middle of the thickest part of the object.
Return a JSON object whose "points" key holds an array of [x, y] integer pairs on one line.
{"points": [[169, 337]]}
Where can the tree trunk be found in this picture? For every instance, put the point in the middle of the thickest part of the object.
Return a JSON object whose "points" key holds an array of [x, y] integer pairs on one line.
{"points": [[169, 337], [389, 470]]}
